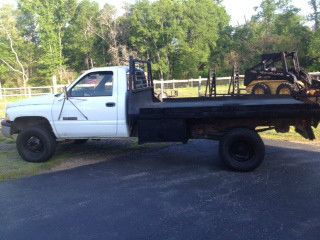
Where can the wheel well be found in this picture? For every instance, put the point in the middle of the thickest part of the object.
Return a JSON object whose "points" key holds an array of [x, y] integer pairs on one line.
{"points": [[22, 123], [218, 128]]}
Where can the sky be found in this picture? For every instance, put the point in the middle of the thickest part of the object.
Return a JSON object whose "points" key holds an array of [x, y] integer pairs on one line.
{"points": [[242, 9], [239, 10]]}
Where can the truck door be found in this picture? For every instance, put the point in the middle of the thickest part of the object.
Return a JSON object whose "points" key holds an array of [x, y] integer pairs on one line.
{"points": [[91, 110]]}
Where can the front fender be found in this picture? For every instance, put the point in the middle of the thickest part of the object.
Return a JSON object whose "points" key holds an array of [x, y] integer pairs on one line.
{"points": [[32, 113]]}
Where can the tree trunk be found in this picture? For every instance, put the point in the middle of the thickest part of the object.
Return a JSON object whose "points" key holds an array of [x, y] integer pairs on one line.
{"points": [[315, 17], [60, 54], [160, 70], [21, 69], [86, 61]]}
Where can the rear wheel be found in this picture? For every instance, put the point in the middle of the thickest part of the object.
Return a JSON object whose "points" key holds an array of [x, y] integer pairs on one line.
{"points": [[242, 150], [261, 89], [36, 144], [285, 89]]}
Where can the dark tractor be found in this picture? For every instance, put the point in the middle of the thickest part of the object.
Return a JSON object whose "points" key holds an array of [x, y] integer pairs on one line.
{"points": [[278, 74]]}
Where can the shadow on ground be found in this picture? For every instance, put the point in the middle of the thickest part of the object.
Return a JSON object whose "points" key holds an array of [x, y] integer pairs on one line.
{"points": [[68, 156]]}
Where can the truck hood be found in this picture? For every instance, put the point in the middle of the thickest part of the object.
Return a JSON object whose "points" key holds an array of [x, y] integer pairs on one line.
{"points": [[41, 100]]}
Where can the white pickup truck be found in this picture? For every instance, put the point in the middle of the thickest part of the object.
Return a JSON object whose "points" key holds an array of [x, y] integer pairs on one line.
{"points": [[119, 102]]}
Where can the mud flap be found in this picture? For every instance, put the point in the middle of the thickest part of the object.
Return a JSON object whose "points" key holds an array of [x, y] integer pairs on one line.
{"points": [[162, 130], [306, 131]]}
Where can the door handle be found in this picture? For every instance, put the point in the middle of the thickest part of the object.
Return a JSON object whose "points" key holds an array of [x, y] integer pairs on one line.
{"points": [[110, 104]]}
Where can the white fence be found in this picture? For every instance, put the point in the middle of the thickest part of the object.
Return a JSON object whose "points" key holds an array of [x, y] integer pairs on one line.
{"points": [[29, 91], [173, 84], [160, 85]]}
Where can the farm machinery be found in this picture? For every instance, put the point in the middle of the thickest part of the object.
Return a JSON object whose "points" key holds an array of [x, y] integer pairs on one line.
{"points": [[276, 74], [280, 74]]}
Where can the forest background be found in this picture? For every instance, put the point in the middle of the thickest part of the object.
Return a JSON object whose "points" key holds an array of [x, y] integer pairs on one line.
{"points": [[40, 39]]}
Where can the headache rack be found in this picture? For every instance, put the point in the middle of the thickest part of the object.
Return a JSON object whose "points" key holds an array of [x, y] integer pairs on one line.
{"points": [[137, 79]]}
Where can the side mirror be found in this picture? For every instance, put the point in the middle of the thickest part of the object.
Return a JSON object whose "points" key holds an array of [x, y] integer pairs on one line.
{"points": [[66, 93]]}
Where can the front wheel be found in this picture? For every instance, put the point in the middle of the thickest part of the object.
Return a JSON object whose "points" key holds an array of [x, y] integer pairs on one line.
{"points": [[242, 150], [36, 144]]}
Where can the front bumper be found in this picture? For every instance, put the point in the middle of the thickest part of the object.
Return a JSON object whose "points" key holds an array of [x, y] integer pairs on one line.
{"points": [[6, 128]]}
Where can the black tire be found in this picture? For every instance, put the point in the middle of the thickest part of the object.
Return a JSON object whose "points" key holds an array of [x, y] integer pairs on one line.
{"points": [[261, 89], [80, 141], [242, 150], [287, 87], [36, 144]]}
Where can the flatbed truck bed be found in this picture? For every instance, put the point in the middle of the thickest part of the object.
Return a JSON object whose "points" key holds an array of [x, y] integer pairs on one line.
{"points": [[235, 121]]}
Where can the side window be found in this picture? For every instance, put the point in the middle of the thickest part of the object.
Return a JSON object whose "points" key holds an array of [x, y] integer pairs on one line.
{"points": [[96, 84]]}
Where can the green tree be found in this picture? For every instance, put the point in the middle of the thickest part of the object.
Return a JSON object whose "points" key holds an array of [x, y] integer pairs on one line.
{"points": [[16, 51], [51, 19], [314, 51], [107, 31], [201, 29], [183, 38], [177, 35], [80, 37], [147, 34], [276, 27]]}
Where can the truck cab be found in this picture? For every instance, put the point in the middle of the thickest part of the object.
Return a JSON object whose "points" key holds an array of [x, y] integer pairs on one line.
{"points": [[95, 107]]}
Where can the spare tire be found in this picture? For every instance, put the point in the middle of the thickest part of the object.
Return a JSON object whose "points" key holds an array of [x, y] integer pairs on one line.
{"points": [[242, 149]]}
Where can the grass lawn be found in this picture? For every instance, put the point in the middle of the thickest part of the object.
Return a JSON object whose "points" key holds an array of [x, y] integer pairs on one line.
{"points": [[292, 136], [194, 92], [2, 108], [68, 155], [11, 165]]}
